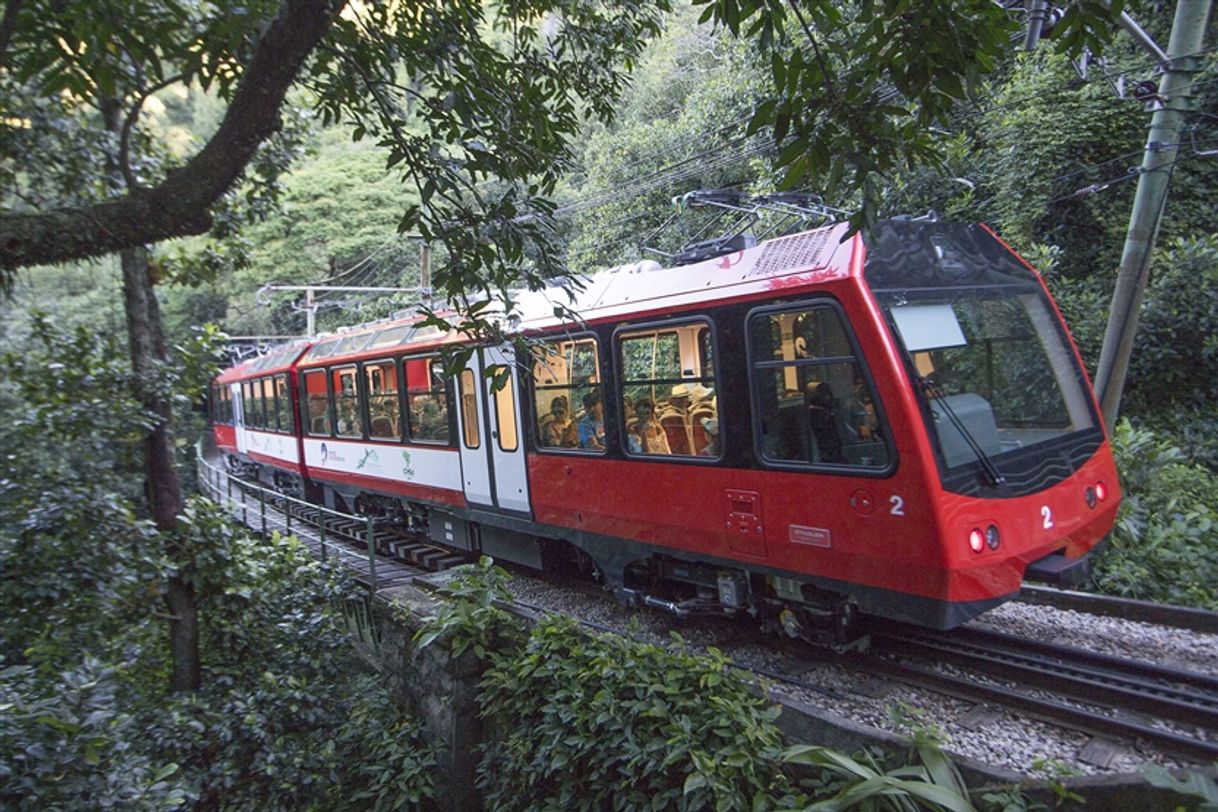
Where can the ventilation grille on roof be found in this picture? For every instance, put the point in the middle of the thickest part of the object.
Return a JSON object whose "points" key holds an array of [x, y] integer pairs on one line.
{"points": [[789, 253]]}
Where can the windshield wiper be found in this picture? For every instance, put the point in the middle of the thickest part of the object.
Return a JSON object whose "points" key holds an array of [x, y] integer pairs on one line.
{"points": [[990, 470]]}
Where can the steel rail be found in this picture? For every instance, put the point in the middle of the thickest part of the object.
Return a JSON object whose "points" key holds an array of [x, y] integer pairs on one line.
{"points": [[1094, 659], [1120, 684], [1160, 614], [1046, 710]]}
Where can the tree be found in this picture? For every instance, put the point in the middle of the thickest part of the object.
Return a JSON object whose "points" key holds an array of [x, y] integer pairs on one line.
{"points": [[456, 92]]}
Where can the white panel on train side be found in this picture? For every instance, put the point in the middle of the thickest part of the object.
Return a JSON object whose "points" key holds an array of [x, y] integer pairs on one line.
{"points": [[270, 444], [238, 416], [511, 471], [416, 465], [475, 462]]}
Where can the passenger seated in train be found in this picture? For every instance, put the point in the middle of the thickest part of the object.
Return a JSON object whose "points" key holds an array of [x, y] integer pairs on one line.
{"points": [[646, 436], [555, 424], [864, 421], [710, 425], [822, 419], [674, 419], [678, 402], [592, 426]]}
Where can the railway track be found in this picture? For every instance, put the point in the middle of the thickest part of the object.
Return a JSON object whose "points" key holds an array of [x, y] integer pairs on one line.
{"points": [[1082, 690], [1102, 695], [397, 554]]}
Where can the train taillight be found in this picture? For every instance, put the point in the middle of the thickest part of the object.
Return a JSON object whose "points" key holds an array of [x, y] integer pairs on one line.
{"points": [[1101, 491], [976, 540]]}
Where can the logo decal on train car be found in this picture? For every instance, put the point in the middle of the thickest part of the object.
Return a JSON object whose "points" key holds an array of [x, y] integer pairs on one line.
{"points": [[406, 469], [811, 536], [370, 456], [325, 453]]}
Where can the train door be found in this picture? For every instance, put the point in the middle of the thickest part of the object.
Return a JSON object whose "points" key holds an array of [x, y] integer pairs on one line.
{"points": [[491, 435], [238, 416], [510, 471]]}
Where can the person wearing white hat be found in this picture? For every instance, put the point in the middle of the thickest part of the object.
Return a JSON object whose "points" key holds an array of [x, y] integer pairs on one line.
{"points": [[678, 402]]}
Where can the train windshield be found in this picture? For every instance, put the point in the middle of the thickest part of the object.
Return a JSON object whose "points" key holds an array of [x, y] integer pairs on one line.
{"points": [[1003, 397]]}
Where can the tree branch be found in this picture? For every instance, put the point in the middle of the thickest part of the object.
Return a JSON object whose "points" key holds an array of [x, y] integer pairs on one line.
{"points": [[124, 141], [180, 205]]}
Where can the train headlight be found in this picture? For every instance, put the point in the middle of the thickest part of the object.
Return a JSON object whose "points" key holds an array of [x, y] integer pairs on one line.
{"points": [[992, 537], [1101, 491], [976, 540]]}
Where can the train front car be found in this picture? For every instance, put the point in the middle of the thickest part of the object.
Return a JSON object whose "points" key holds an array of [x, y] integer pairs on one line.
{"points": [[1020, 475]]}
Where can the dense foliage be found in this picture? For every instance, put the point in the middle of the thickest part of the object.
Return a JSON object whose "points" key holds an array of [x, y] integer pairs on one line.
{"points": [[1165, 545], [579, 720], [289, 718]]}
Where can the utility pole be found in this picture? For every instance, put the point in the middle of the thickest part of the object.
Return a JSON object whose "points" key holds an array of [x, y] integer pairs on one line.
{"points": [[310, 313], [1162, 147]]}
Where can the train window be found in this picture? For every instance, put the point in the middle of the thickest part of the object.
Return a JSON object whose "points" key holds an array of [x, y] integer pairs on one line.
{"points": [[322, 350], [251, 405], [283, 403], [567, 395], [351, 344], [384, 402], [426, 401], [670, 401], [388, 337], [268, 402], [348, 421], [505, 407], [814, 403], [317, 400], [469, 407]]}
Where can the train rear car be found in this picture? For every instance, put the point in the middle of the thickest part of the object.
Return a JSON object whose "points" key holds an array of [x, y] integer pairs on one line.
{"points": [[258, 428]]}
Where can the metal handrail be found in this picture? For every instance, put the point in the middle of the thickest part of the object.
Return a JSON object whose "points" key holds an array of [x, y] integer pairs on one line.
{"points": [[211, 476]]}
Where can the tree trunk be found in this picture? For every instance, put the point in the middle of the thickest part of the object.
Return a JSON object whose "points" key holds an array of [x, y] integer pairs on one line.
{"points": [[147, 340]]}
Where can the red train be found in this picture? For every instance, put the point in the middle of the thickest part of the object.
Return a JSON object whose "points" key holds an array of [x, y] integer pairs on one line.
{"points": [[896, 424]]}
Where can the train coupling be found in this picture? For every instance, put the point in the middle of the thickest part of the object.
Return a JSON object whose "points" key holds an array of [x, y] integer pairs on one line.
{"points": [[1057, 570]]}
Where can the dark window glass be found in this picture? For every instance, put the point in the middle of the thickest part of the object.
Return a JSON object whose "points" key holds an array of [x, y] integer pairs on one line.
{"points": [[317, 403], [348, 420], [268, 403], [813, 401], [384, 405], [426, 401], [283, 403]]}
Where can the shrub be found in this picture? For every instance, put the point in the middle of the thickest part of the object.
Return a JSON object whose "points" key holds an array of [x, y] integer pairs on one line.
{"points": [[66, 744], [582, 720], [1165, 543]]}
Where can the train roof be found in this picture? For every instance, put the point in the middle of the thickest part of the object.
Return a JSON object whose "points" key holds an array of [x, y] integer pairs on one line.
{"points": [[280, 359], [631, 291]]}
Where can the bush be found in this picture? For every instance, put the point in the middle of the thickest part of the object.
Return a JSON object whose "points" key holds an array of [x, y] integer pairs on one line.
{"points": [[289, 716], [582, 720], [66, 744], [1165, 543]]}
